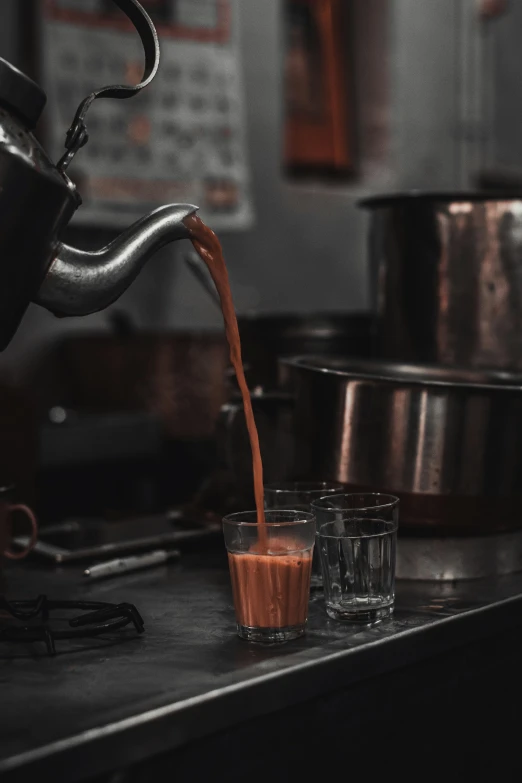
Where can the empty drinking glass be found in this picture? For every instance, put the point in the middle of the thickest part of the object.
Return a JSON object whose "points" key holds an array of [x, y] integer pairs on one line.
{"points": [[356, 539], [299, 495]]}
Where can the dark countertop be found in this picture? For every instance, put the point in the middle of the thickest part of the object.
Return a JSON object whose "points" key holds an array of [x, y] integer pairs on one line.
{"points": [[189, 676]]}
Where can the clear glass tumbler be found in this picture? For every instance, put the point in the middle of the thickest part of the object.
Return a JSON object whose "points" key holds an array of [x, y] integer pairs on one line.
{"points": [[270, 566], [300, 495], [356, 539]]}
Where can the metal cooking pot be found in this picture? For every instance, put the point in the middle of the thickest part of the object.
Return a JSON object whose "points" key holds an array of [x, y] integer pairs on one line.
{"points": [[266, 338], [447, 270], [447, 441]]}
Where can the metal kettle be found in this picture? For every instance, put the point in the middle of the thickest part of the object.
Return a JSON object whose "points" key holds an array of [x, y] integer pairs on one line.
{"points": [[37, 201]]}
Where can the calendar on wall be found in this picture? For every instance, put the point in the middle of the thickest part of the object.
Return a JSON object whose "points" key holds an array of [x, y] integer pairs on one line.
{"points": [[182, 139]]}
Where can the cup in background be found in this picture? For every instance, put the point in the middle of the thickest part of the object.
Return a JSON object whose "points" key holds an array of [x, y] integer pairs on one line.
{"points": [[357, 539], [270, 567], [7, 509], [300, 495]]}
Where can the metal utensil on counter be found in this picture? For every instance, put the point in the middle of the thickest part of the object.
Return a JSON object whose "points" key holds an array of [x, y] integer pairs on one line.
{"points": [[448, 442], [125, 565], [447, 277]]}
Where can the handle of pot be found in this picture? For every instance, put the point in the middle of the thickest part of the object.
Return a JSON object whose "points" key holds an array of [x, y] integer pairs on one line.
{"points": [[77, 135]]}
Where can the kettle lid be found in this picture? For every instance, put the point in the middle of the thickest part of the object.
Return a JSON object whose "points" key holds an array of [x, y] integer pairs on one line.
{"points": [[20, 94]]}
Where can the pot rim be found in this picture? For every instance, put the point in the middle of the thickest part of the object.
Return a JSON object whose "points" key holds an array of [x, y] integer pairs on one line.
{"points": [[405, 374], [416, 196]]}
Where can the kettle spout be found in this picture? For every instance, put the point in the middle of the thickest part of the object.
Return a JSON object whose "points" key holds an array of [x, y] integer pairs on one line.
{"points": [[80, 282]]}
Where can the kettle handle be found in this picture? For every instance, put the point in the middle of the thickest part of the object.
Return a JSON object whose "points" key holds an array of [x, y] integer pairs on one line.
{"points": [[77, 135]]}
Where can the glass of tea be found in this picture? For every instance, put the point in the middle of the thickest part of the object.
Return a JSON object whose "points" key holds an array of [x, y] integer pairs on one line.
{"points": [[356, 539], [300, 494], [270, 567]]}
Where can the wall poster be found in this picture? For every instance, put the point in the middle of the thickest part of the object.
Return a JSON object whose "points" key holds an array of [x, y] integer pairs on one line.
{"points": [[319, 107], [181, 140]]}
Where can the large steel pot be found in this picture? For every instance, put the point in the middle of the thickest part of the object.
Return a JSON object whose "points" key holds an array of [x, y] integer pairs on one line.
{"points": [[447, 441], [447, 271]]}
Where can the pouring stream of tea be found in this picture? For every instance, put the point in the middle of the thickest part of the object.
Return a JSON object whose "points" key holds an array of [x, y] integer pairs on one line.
{"points": [[209, 248]]}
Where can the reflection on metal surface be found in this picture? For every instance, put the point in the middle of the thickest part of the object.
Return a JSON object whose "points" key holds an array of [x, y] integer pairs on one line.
{"points": [[449, 559], [349, 415], [460, 209], [394, 459]]}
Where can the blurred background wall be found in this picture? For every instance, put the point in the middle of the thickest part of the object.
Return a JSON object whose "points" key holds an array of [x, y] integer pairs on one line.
{"points": [[422, 121]]}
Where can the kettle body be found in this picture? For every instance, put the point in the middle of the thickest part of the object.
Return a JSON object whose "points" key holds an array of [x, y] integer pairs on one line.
{"points": [[36, 201]]}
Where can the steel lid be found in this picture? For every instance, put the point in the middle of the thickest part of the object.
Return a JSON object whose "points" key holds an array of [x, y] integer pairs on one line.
{"points": [[404, 373], [445, 197]]}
